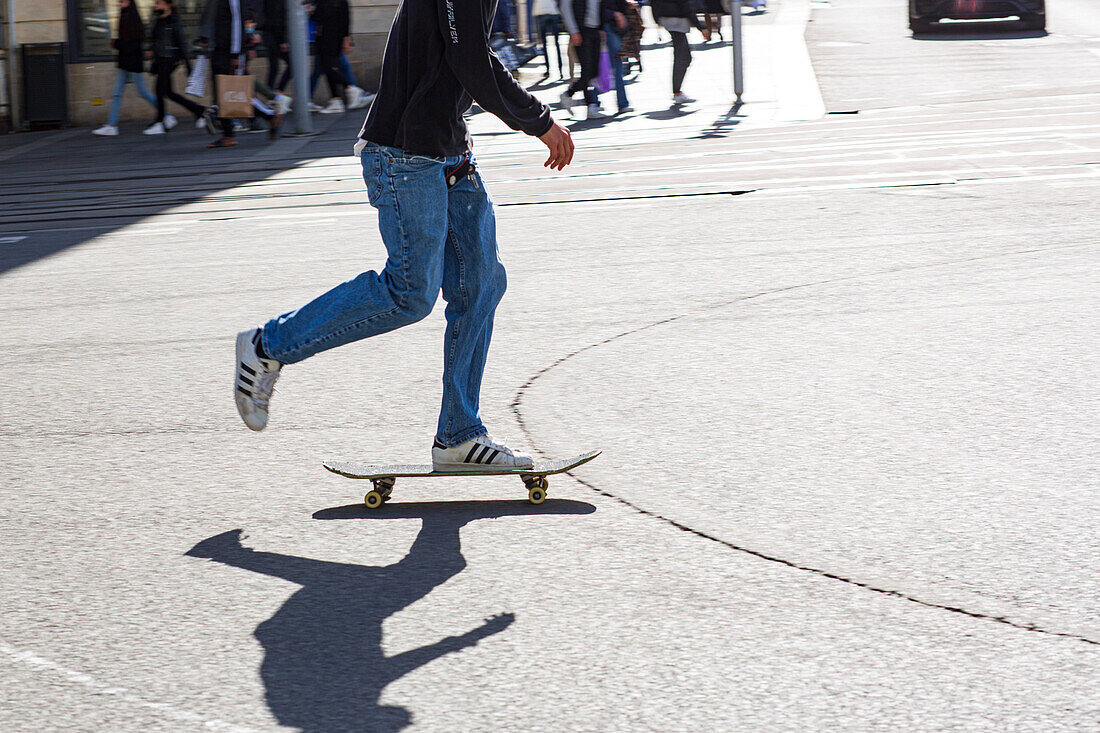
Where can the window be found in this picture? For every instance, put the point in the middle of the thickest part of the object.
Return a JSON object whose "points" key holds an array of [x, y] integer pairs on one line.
{"points": [[93, 23]]}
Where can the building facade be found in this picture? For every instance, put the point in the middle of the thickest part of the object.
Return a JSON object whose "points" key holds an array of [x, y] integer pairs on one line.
{"points": [[81, 30]]}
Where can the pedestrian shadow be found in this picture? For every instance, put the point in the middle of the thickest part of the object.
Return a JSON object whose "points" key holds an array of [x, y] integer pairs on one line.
{"points": [[674, 112], [324, 668]]}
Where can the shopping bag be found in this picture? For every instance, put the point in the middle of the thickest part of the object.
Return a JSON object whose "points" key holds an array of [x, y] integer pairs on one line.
{"points": [[603, 79], [196, 83], [235, 95]]}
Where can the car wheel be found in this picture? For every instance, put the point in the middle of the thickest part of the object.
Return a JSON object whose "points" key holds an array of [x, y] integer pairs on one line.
{"points": [[920, 25], [1034, 21]]}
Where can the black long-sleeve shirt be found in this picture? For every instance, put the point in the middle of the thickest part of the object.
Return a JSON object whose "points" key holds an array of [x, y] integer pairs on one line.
{"points": [[437, 62]]}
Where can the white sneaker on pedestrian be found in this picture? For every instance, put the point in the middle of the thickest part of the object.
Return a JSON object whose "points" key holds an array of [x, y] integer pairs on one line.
{"points": [[314, 107], [567, 102], [480, 454], [170, 122], [154, 129], [200, 122], [254, 381], [681, 98], [357, 98], [106, 130], [334, 107], [595, 113], [282, 104], [625, 110]]}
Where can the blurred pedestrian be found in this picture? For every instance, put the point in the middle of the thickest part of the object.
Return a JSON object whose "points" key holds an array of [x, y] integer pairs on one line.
{"points": [[615, 24], [712, 17], [169, 48], [276, 44], [225, 33], [333, 18], [678, 17], [548, 24], [632, 36], [129, 44], [583, 21]]}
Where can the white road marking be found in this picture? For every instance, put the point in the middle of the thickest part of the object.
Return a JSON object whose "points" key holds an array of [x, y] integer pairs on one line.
{"points": [[11, 240], [95, 686]]}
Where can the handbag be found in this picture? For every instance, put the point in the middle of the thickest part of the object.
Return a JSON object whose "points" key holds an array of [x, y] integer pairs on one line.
{"points": [[196, 83], [603, 78], [235, 95]]}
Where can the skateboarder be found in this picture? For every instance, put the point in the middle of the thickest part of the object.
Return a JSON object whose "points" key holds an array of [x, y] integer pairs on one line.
{"points": [[436, 220]]}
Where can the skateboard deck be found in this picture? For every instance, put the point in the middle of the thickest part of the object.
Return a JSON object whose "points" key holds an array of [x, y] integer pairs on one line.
{"points": [[384, 476]]}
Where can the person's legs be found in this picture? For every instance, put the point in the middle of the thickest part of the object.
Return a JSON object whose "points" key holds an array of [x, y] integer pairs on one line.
{"points": [[681, 59], [164, 88], [542, 24], [410, 194], [614, 45], [330, 65], [116, 97], [222, 64], [139, 84], [345, 70], [273, 56], [474, 281], [589, 54]]}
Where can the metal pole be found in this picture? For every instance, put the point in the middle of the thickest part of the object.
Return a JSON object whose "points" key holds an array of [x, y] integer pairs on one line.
{"points": [[738, 56], [13, 104], [299, 65]]}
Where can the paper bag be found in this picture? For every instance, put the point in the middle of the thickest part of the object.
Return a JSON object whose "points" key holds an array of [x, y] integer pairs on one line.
{"points": [[234, 95]]}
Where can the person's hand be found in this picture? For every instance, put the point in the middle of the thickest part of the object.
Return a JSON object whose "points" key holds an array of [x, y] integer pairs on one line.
{"points": [[575, 39], [284, 47], [251, 54], [560, 142], [706, 34], [148, 54], [620, 20], [347, 45]]}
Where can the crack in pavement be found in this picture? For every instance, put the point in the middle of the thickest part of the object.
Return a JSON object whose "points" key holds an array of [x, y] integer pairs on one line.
{"points": [[517, 410]]}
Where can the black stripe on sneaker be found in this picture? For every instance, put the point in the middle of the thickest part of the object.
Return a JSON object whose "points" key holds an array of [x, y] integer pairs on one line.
{"points": [[493, 457], [248, 369], [439, 444], [246, 380], [484, 454], [470, 455], [243, 391]]}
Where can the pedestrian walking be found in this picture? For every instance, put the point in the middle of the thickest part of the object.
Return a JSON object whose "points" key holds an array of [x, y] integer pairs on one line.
{"points": [[614, 27], [583, 20], [129, 44], [436, 220], [678, 17], [632, 36], [277, 45], [333, 18], [225, 32], [548, 25], [169, 48]]}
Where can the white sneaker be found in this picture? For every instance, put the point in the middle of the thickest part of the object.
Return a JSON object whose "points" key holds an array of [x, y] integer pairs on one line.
{"points": [[681, 98], [154, 129], [200, 123], [255, 380], [314, 107], [480, 454], [567, 102], [170, 122], [595, 113], [334, 107], [107, 130], [282, 104]]}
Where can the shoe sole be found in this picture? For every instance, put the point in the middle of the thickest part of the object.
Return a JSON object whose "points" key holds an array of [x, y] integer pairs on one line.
{"points": [[479, 468]]}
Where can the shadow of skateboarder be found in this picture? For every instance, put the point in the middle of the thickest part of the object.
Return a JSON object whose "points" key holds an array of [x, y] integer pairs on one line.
{"points": [[324, 668]]}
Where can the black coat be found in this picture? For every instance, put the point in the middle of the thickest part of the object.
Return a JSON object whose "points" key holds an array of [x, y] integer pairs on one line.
{"points": [[217, 24], [333, 19], [274, 27], [169, 41]]}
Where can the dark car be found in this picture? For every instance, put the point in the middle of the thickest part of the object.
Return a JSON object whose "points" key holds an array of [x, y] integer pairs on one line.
{"points": [[924, 13]]}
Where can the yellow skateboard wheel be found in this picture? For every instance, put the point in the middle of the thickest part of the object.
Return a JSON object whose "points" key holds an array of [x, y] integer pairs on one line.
{"points": [[373, 500]]}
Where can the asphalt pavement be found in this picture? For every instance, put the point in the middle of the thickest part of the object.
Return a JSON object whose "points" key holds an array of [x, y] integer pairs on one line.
{"points": [[842, 365]]}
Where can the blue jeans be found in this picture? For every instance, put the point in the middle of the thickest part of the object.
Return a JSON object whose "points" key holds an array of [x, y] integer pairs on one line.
{"points": [[122, 78], [614, 45], [436, 238]]}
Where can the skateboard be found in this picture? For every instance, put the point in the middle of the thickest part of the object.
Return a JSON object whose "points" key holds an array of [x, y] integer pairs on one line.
{"points": [[384, 476]]}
